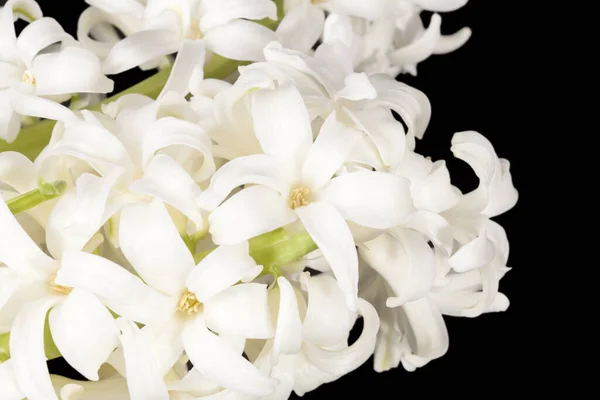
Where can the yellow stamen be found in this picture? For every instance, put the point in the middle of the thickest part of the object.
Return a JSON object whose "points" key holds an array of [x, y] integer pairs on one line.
{"points": [[189, 304], [194, 33], [29, 78], [299, 198], [59, 288]]}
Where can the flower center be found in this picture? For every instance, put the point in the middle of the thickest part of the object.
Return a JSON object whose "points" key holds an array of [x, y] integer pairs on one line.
{"points": [[29, 78], [299, 197], [59, 288], [194, 33], [189, 304]]}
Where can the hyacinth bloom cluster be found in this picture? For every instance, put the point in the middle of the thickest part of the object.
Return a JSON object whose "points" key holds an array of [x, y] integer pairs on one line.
{"points": [[221, 237]]}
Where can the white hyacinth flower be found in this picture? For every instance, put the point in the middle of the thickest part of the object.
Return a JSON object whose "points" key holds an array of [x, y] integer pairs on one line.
{"points": [[293, 180], [310, 346], [225, 27], [412, 285], [181, 305], [395, 43], [82, 328], [44, 63], [149, 149], [96, 27], [328, 84], [303, 23]]}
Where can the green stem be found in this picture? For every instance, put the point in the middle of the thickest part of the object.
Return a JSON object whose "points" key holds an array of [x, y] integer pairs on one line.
{"points": [[275, 249], [45, 192]]}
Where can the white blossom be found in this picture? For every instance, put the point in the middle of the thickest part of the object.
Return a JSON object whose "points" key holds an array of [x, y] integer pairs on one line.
{"points": [[42, 65], [398, 41], [224, 26], [82, 328], [199, 238], [328, 84], [293, 181]]}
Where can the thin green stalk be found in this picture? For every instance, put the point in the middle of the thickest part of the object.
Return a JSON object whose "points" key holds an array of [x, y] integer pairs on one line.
{"points": [[45, 192]]}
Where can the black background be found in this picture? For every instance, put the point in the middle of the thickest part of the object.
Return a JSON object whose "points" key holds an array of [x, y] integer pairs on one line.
{"points": [[470, 89]]}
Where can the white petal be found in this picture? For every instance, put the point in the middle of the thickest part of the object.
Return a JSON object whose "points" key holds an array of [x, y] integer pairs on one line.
{"points": [[421, 48], [240, 310], [114, 387], [328, 320], [117, 288], [334, 63], [405, 261], [96, 29], [19, 252], [387, 133], [329, 152], [249, 213], [330, 232], [288, 336], [239, 40], [171, 131], [222, 268], [143, 376], [37, 36], [166, 180], [301, 27], [372, 199], [165, 341], [8, 382], [435, 227], [10, 121], [371, 10], [132, 7], [72, 70], [84, 331], [341, 362], [411, 104], [497, 235], [34, 106], [449, 43], [477, 151], [357, 87], [215, 360], [424, 331], [503, 195], [473, 255], [17, 171], [440, 5], [190, 58], [152, 244], [141, 47], [82, 141], [282, 124], [15, 292], [257, 169], [220, 12], [338, 28], [27, 350], [8, 15], [435, 193], [307, 377], [77, 216]]}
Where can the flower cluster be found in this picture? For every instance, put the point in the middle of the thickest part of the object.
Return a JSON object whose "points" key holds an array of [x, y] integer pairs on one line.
{"points": [[222, 237]]}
